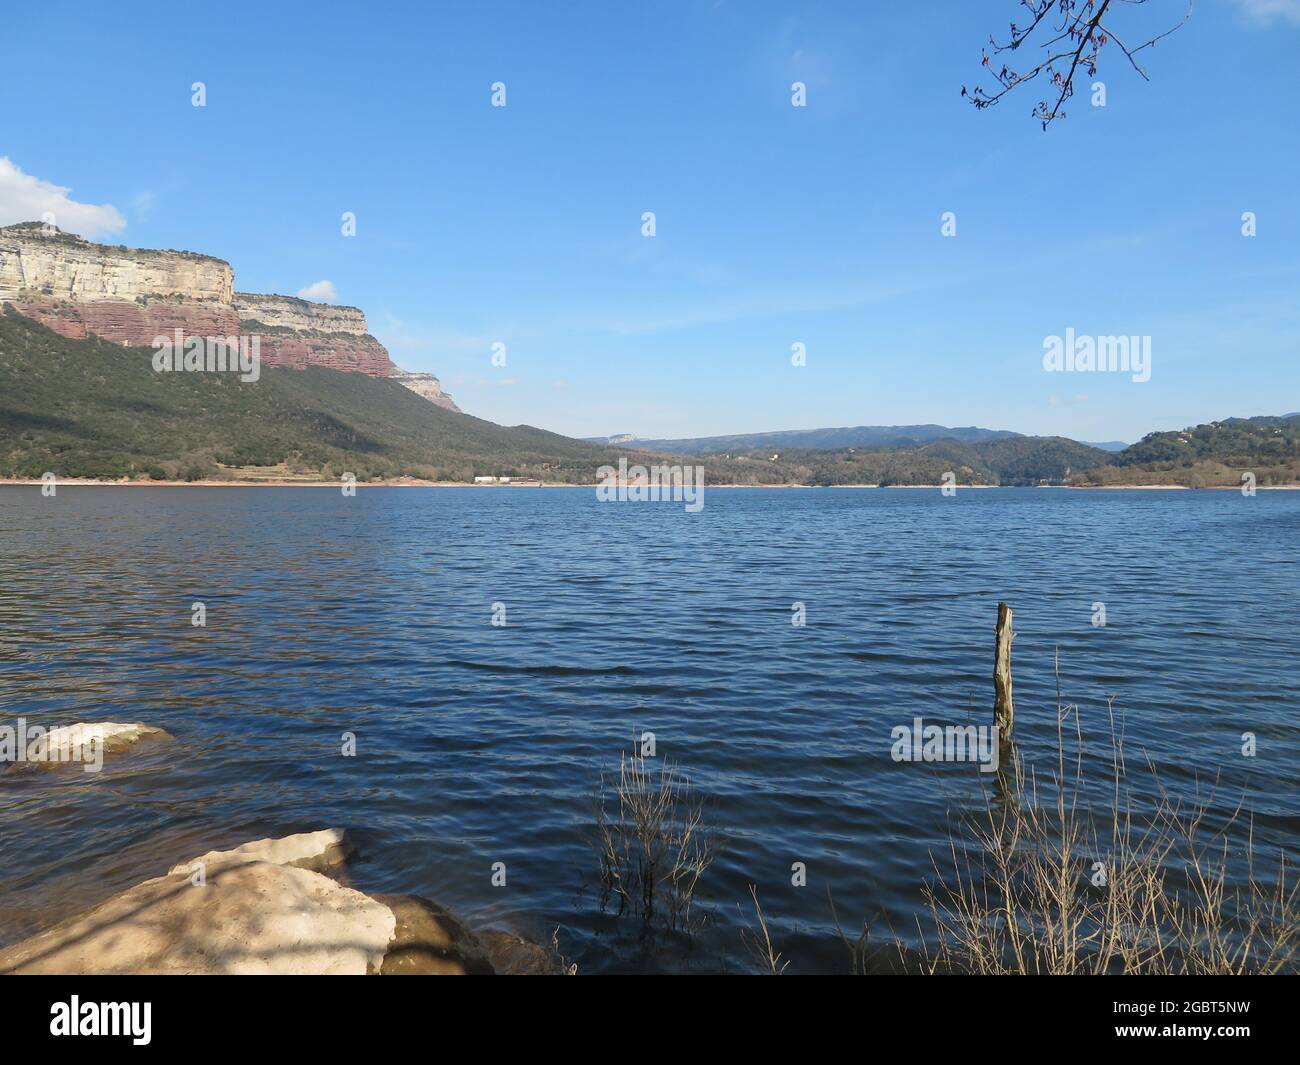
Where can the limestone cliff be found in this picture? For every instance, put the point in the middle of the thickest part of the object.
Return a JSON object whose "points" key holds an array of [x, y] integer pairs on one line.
{"points": [[130, 296], [122, 294], [289, 312], [297, 333], [426, 385]]}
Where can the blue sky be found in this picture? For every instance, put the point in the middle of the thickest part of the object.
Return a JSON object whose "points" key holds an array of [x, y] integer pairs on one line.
{"points": [[775, 224]]}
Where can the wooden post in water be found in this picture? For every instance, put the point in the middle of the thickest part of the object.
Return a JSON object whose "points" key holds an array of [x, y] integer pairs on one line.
{"points": [[1004, 710]]}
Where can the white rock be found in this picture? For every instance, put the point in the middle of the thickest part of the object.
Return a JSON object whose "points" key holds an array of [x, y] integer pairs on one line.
{"points": [[69, 742], [246, 918], [69, 268], [290, 312], [255, 909], [306, 850]]}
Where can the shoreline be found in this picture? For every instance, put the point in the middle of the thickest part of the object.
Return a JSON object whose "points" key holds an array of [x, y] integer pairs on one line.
{"points": [[79, 482]]}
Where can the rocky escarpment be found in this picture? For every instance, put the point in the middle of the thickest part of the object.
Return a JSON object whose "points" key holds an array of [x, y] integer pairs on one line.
{"points": [[298, 334], [426, 385], [131, 295], [125, 295]]}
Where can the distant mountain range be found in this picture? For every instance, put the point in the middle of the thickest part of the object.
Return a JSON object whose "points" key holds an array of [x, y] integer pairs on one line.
{"points": [[825, 439], [1217, 453]]}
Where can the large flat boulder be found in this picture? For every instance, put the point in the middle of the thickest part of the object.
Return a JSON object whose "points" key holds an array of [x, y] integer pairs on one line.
{"points": [[267, 907], [254, 917]]}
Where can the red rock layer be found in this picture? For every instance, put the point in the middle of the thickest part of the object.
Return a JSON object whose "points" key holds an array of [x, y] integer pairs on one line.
{"points": [[131, 323], [137, 324], [359, 354]]}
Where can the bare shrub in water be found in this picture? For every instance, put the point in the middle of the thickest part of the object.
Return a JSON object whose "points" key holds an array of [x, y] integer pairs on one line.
{"points": [[566, 967], [1056, 888], [759, 941], [651, 841]]}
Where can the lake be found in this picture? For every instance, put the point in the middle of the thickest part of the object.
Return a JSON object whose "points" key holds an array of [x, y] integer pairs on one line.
{"points": [[479, 743]]}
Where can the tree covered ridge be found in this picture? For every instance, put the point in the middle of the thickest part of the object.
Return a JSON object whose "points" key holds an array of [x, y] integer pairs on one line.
{"points": [[89, 408], [1213, 454]]}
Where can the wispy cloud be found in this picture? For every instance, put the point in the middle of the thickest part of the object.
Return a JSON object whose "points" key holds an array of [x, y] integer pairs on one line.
{"points": [[143, 203], [398, 335], [470, 381], [1268, 11], [26, 198], [827, 295]]}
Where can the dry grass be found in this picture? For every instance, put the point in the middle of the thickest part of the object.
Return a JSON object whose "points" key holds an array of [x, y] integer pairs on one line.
{"points": [[562, 964], [1024, 893], [651, 841], [759, 942]]}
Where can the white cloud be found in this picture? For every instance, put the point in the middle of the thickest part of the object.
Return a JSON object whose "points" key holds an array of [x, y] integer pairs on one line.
{"points": [[1269, 10], [320, 292], [24, 198]]}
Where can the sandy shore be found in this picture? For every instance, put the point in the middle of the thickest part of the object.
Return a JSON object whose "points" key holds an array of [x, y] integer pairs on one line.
{"points": [[73, 482]]}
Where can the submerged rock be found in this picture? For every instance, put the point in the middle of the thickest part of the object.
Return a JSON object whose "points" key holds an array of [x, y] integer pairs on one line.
{"points": [[88, 741], [512, 955], [430, 941]]}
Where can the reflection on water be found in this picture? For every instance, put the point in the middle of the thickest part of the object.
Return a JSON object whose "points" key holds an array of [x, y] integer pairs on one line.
{"points": [[479, 744]]}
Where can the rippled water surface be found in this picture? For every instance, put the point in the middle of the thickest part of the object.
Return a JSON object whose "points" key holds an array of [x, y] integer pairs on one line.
{"points": [[480, 744]]}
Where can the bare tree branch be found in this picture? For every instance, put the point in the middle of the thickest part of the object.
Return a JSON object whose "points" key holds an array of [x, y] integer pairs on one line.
{"points": [[1073, 41]]}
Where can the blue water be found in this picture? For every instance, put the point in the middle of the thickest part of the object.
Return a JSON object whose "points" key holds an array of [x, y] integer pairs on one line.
{"points": [[480, 744]]}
